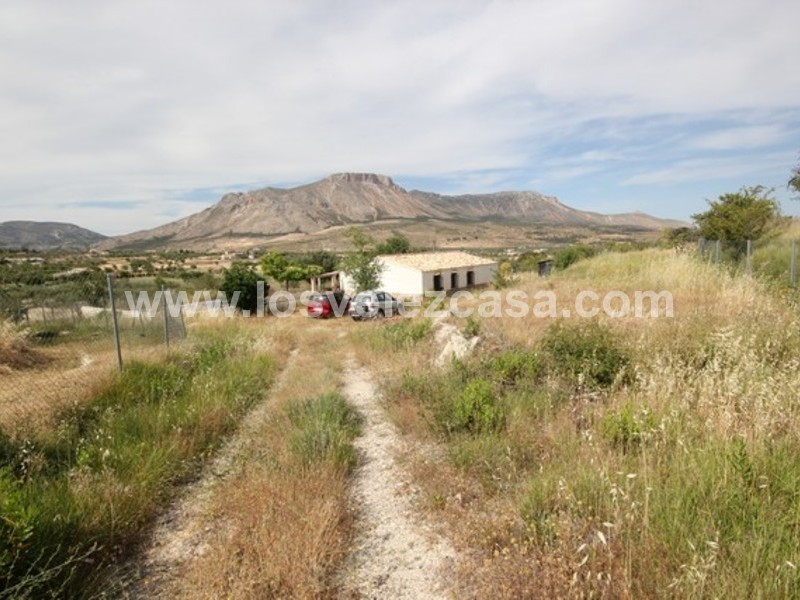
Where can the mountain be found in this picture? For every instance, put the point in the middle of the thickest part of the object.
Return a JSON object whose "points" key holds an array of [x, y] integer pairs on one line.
{"points": [[35, 235], [263, 216]]}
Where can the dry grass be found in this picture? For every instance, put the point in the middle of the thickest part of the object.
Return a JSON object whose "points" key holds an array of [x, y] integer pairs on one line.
{"points": [[285, 522], [676, 481]]}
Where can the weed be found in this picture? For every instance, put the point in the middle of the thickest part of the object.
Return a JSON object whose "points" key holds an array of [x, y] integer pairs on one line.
{"points": [[406, 333], [475, 410], [513, 366], [585, 353], [472, 327], [626, 429], [325, 427]]}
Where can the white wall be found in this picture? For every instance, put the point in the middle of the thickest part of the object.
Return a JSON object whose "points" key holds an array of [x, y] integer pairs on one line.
{"points": [[484, 274], [407, 281], [401, 280]]}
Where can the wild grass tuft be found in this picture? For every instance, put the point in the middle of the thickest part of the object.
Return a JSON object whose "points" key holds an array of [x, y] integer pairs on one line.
{"points": [[324, 429]]}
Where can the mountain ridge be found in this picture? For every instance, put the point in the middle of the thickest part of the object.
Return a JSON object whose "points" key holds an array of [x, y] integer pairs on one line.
{"points": [[351, 198], [46, 235]]}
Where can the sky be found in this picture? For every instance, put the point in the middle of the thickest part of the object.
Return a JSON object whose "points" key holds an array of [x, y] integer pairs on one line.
{"points": [[123, 115]]}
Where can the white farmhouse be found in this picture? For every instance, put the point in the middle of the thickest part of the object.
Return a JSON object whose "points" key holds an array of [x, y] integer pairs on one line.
{"points": [[415, 274]]}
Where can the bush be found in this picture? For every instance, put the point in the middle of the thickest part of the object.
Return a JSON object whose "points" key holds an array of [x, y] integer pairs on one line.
{"points": [[585, 353], [16, 522], [406, 333], [476, 409], [569, 256], [626, 429], [243, 279], [325, 428], [472, 328], [513, 366]]}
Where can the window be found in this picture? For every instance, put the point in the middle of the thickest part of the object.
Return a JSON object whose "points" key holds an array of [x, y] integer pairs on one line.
{"points": [[453, 280], [470, 278]]}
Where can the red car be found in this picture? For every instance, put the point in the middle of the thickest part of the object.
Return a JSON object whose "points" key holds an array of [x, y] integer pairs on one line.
{"points": [[328, 304]]}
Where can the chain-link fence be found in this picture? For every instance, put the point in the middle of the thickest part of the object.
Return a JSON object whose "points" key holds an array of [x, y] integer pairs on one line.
{"points": [[59, 335], [774, 259]]}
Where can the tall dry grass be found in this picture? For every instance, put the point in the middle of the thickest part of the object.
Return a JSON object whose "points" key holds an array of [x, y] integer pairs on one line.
{"points": [[284, 518], [644, 458], [77, 496]]}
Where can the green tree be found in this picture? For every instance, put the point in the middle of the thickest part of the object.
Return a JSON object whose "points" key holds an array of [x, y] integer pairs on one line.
{"points": [[327, 261], [397, 244], [680, 236], [243, 279], [794, 181], [274, 265], [278, 267], [296, 272], [361, 264], [749, 214]]}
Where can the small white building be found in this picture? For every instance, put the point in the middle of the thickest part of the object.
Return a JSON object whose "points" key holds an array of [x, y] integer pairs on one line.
{"points": [[415, 274]]}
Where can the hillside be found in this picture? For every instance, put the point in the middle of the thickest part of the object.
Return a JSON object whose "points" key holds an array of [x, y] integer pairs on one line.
{"points": [[35, 235], [265, 216]]}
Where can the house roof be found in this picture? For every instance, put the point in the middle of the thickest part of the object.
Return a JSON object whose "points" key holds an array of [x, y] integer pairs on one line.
{"points": [[434, 261]]}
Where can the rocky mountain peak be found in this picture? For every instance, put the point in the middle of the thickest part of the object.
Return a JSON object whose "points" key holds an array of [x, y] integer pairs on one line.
{"points": [[375, 178]]}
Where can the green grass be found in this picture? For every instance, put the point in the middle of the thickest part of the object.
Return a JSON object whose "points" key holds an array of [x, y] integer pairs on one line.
{"points": [[645, 459], [324, 430], [87, 489]]}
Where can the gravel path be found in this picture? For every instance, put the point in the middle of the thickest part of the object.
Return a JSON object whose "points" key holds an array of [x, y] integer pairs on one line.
{"points": [[395, 554]]}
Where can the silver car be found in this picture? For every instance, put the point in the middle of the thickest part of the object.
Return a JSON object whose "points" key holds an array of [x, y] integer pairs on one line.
{"points": [[372, 304]]}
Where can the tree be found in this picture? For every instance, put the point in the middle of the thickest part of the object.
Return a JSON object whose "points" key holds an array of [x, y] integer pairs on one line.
{"points": [[748, 214], [276, 266], [794, 182], [243, 279], [361, 264], [397, 244], [327, 261]]}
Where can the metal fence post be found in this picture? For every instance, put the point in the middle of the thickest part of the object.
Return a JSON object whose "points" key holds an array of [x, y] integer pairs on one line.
{"points": [[749, 263], [717, 251], [793, 264], [115, 323], [166, 316]]}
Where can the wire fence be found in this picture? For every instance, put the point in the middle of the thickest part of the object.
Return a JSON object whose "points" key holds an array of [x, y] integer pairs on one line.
{"points": [[62, 331], [774, 259]]}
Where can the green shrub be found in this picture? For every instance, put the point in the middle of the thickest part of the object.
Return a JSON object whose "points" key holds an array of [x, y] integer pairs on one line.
{"points": [[406, 333], [476, 409], [569, 256], [585, 352], [513, 366], [16, 521], [472, 328], [325, 428], [627, 429]]}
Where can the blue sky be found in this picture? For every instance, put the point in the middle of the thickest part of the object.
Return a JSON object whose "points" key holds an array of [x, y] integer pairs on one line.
{"points": [[120, 115]]}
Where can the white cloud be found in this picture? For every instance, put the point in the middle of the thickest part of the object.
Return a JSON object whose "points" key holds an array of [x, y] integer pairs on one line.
{"points": [[118, 100], [709, 169], [755, 136]]}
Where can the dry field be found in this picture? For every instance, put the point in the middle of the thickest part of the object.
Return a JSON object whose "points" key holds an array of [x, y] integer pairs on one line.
{"points": [[604, 457]]}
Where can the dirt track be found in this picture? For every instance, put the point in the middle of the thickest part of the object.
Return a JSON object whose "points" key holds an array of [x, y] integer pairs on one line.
{"points": [[395, 554]]}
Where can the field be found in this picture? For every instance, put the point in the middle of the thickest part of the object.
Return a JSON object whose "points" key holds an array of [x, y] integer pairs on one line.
{"points": [[563, 457]]}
